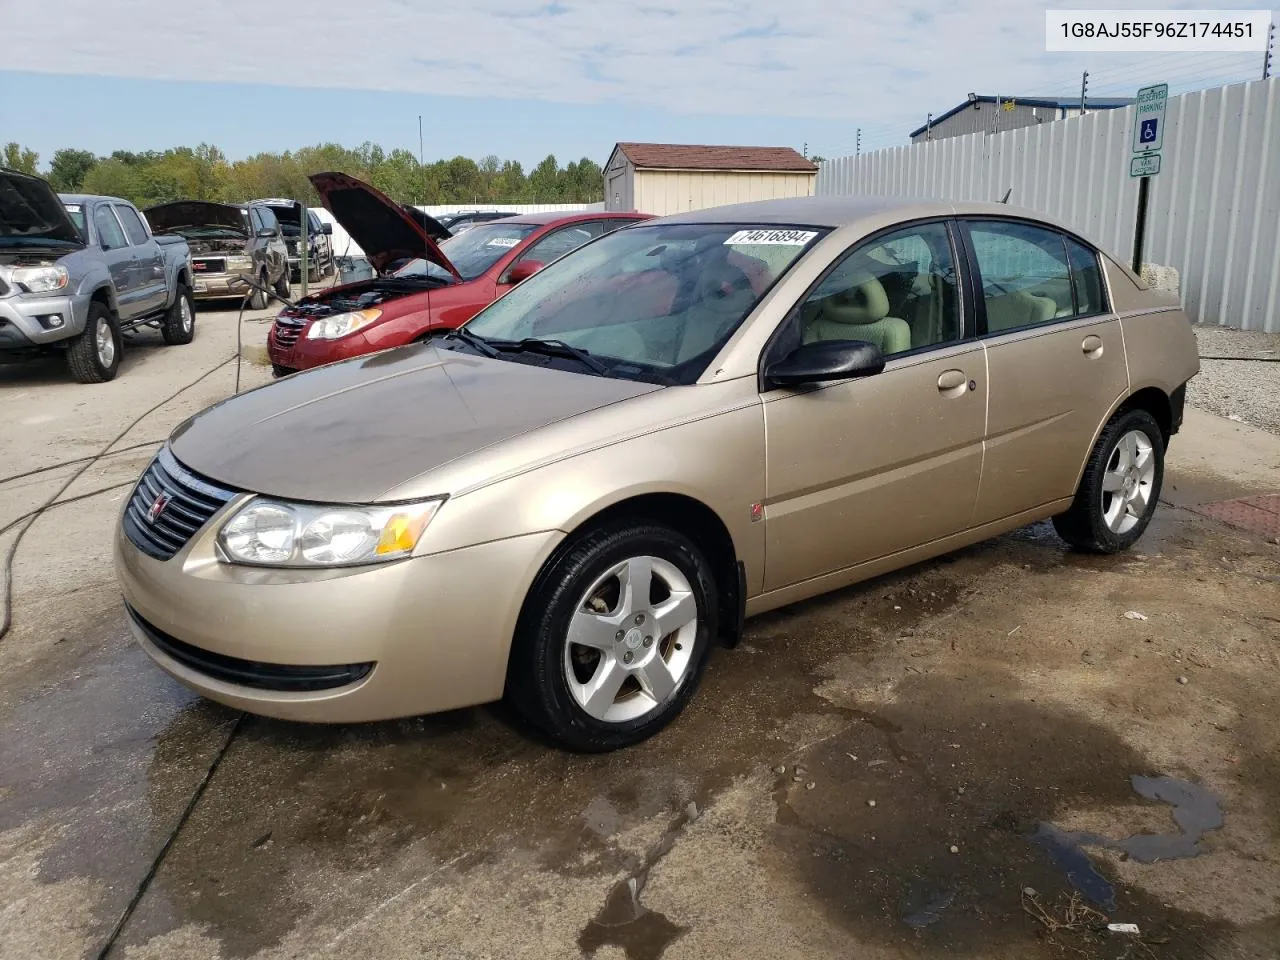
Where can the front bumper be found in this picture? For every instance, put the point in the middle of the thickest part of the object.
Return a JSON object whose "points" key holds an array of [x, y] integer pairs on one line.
{"points": [[27, 321], [418, 636], [303, 354], [211, 286]]}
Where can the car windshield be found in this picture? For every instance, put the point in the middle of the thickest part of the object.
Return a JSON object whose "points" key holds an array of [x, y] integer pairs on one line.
{"points": [[473, 252], [649, 302], [76, 212]]}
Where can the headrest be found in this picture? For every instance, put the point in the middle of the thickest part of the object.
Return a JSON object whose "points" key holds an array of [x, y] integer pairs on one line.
{"points": [[863, 301]]}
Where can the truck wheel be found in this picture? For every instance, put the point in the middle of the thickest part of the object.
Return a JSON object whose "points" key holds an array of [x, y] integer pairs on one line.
{"points": [[94, 356], [328, 268], [282, 287], [258, 301], [179, 325]]}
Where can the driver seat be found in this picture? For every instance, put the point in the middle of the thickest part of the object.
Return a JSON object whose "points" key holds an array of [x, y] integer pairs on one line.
{"points": [[858, 312]]}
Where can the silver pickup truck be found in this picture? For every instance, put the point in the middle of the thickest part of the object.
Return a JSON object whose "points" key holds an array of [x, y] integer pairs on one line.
{"points": [[76, 271]]}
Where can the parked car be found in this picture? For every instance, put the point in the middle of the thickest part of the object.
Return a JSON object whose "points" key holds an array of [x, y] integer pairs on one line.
{"points": [[320, 254], [695, 419], [228, 241], [464, 220], [76, 271], [420, 287]]}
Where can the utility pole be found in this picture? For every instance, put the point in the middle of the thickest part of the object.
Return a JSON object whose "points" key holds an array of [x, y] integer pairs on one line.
{"points": [[858, 149], [1266, 56], [928, 128], [806, 150], [1084, 88], [422, 173]]}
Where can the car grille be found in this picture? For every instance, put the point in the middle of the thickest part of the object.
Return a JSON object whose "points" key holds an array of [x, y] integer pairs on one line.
{"points": [[287, 329], [209, 265], [192, 500], [251, 673]]}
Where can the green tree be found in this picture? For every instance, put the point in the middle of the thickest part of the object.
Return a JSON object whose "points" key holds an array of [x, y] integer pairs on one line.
{"points": [[68, 167], [544, 181], [20, 158], [112, 177]]}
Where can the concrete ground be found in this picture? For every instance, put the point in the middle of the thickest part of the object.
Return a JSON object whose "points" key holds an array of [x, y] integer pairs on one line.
{"points": [[928, 765]]}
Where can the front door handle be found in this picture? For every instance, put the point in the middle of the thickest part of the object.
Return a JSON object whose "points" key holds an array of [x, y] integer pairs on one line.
{"points": [[1092, 346], [952, 383]]}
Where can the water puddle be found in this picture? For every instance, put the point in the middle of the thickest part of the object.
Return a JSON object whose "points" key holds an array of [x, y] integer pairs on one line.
{"points": [[1196, 810], [624, 921], [931, 912]]}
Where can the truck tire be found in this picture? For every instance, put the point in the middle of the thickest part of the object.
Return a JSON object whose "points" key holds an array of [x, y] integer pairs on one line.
{"points": [[94, 355], [282, 286], [258, 299], [179, 324]]}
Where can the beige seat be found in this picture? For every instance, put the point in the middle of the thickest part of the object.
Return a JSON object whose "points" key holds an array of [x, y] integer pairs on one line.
{"points": [[858, 312], [1018, 309]]}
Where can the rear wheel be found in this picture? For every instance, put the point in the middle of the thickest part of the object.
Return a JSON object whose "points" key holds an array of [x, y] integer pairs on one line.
{"points": [[1120, 487], [179, 324], [282, 287], [94, 356], [614, 637]]}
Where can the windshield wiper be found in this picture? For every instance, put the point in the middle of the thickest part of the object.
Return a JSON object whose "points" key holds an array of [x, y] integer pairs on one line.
{"points": [[473, 340], [555, 348]]}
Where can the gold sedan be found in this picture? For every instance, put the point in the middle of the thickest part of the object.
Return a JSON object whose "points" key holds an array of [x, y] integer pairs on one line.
{"points": [[571, 499]]}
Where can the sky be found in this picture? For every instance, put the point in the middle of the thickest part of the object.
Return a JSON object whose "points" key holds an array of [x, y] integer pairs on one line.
{"points": [[525, 78]]}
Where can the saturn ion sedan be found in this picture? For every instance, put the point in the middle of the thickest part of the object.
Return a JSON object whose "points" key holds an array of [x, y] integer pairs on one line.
{"points": [[572, 498]]}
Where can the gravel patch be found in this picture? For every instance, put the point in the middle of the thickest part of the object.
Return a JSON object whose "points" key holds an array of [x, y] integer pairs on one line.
{"points": [[1242, 390]]}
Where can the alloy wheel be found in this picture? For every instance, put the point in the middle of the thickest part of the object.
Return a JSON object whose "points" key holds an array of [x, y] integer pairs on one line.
{"points": [[1127, 482]]}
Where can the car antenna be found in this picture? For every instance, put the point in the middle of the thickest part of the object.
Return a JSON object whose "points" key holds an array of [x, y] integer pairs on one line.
{"points": [[1005, 198]]}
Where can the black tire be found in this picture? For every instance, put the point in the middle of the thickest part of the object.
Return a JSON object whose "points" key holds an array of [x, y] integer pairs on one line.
{"points": [[537, 686], [1084, 525], [278, 371], [83, 356], [179, 327], [258, 299], [282, 287], [329, 268]]}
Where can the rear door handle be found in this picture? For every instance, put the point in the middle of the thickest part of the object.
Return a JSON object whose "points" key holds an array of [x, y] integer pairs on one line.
{"points": [[1092, 346], [952, 383]]}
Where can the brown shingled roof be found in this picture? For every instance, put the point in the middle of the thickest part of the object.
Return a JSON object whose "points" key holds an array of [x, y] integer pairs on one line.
{"points": [[676, 156]]}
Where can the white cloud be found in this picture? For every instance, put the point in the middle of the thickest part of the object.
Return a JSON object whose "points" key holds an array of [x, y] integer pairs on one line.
{"points": [[814, 58]]}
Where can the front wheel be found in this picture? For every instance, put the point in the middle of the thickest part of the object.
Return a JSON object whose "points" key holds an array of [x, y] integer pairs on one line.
{"points": [[258, 299], [1120, 487], [614, 637], [282, 286], [94, 356]]}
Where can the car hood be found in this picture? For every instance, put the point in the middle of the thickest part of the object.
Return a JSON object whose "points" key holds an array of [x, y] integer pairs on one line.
{"points": [[382, 228], [30, 208], [351, 431], [173, 217]]}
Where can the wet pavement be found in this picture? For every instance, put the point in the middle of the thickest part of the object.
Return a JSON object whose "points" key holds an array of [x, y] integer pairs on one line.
{"points": [[976, 757]]}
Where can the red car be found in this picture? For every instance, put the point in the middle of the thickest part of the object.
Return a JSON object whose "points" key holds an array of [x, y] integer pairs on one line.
{"points": [[419, 286]]}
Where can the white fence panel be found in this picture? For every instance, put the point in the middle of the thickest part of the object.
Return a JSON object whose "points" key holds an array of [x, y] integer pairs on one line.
{"points": [[1213, 213]]}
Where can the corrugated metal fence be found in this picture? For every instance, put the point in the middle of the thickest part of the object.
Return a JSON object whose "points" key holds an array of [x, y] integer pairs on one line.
{"points": [[1214, 208]]}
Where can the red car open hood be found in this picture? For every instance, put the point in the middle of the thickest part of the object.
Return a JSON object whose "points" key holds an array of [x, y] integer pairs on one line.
{"points": [[380, 226]]}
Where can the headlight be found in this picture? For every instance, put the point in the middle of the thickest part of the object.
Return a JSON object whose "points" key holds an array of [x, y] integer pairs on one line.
{"points": [[40, 279], [239, 263], [341, 324], [278, 534]]}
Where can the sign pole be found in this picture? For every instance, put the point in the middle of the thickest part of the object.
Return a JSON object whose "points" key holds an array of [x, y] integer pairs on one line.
{"points": [[1144, 187]]}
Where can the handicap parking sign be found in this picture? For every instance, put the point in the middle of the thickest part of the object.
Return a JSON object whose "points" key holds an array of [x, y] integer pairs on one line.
{"points": [[1148, 134]]}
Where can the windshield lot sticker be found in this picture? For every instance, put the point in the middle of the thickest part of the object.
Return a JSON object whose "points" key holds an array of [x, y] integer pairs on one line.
{"points": [[503, 242], [786, 238]]}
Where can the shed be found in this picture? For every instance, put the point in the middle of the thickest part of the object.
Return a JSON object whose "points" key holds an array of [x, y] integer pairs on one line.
{"points": [[663, 178]]}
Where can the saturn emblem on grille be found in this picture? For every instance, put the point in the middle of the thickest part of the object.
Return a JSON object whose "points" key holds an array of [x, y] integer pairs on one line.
{"points": [[157, 507]]}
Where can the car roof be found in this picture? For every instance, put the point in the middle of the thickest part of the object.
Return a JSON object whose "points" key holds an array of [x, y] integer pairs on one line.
{"points": [[86, 197], [568, 216], [846, 211]]}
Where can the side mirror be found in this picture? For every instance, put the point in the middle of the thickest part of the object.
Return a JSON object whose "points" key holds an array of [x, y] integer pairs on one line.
{"points": [[326, 228], [826, 360], [523, 270], [268, 234]]}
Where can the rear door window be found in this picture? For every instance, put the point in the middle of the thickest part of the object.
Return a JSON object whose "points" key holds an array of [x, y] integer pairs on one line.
{"points": [[1087, 277], [1026, 280]]}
